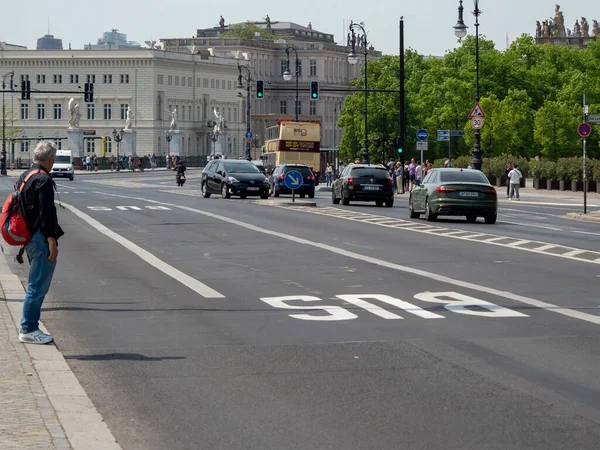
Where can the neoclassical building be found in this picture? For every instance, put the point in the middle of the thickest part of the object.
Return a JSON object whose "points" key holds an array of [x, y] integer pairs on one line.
{"points": [[151, 82]]}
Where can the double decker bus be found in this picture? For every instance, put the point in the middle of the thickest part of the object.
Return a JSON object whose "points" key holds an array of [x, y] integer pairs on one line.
{"points": [[293, 143]]}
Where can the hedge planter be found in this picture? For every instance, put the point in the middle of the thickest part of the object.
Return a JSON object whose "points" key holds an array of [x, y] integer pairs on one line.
{"points": [[561, 185], [539, 184], [552, 185], [577, 186]]}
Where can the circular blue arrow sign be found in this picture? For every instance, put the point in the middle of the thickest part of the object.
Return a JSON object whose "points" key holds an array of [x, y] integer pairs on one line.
{"points": [[422, 134], [249, 135], [293, 179]]}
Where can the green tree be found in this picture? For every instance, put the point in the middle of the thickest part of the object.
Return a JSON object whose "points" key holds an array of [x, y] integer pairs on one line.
{"points": [[555, 130], [247, 30]]}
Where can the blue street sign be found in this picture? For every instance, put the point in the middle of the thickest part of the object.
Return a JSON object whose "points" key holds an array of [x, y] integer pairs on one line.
{"points": [[443, 135], [422, 134], [457, 133], [249, 135], [293, 179]]}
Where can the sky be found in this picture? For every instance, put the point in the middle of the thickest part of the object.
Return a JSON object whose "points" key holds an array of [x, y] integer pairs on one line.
{"points": [[428, 23]]}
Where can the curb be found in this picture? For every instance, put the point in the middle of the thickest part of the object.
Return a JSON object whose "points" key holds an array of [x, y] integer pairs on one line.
{"points": [[593, 217], [84, 427]]}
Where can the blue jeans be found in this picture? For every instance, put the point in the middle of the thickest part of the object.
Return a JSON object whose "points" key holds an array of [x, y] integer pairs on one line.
{"points": [[40, 277]]}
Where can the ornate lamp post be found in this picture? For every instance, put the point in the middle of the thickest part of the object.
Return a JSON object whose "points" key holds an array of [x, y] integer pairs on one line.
{"points": [[10, 74], [361, 40], [240, 87], [118, 137], [460, 30], [168, 137], [214, 136], [287, 75]]}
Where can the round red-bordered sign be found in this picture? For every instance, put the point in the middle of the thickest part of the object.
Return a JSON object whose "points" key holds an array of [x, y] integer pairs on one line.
{"points": [[584, 129]]}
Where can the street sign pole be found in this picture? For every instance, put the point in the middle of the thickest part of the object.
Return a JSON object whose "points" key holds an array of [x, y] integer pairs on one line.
{"points": [[585, 119]]}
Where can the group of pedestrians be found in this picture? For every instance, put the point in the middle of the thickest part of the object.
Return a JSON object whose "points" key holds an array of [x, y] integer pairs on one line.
{"points": [[409, 175], [90, 163]]}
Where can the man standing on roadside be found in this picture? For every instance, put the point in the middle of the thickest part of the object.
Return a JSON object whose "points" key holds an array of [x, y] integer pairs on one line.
{"points": [[509, 167], [515, 179], [42, 251]]}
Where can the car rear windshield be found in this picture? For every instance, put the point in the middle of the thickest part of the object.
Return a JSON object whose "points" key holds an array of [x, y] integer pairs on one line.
{"points": [[63, 159], [370, 172], [464, 176], [241, 167], [305, 171]]}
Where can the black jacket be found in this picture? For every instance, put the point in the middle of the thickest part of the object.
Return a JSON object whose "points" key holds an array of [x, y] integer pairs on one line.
{"points": [[38, 203]]}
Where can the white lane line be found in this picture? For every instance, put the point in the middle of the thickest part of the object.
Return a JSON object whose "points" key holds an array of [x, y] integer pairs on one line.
{"points": [[543, 248], [475, 236], [532, 226], [495, 239], [574, 253], [167, 269], [392, 266], [545, 204], [517, 243]]}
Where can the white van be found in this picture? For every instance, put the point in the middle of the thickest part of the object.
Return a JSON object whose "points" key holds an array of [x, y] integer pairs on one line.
{"points": [[63, 166]]}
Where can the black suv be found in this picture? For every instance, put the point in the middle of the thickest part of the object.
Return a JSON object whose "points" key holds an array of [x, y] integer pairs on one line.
{"points": [[233, 177], [277, 180], [364, 182]]}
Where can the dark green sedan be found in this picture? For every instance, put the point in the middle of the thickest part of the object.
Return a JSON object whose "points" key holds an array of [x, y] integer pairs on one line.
{"points": [[454, 192]]}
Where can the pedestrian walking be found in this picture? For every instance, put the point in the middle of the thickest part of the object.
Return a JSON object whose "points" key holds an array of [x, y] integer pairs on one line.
{"points": [[418, 173], [411, 173], [515, 180], [329, 174], [509, 167], [153, 161], [42, 250]]}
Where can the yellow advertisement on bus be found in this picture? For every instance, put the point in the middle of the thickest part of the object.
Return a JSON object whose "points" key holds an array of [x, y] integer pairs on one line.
{"points": [[293, 143]]}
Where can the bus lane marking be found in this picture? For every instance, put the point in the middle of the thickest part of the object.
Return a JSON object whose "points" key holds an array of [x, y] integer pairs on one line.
{"points": [[386, 264]]}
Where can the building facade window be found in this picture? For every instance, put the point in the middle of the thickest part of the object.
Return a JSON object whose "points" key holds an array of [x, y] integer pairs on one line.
{"points": [[24, 111], [124, 107], [124, 78], [58, 143], [107, 111], [91, 78], [190, 118], [170, 80], [41, 110], [313, 68], [190, 82], [313, 108], [205, 83], [57, 111], [212, 83], [299, 67], [283, 66], [176, 81], [108, 145], [91, 111], [57, 79], [283, 107], [90, 145], [160, 79], [183, 81], [299, 107], [107, 78], [74, 79], [41, 79], [218, 84], [24, 146], [24, 78]]}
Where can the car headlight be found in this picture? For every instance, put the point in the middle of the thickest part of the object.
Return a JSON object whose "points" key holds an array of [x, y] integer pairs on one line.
{"points": [[232, 180]]}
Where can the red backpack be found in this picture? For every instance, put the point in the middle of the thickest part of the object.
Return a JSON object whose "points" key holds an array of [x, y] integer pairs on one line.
{"points": [[12, 221]]}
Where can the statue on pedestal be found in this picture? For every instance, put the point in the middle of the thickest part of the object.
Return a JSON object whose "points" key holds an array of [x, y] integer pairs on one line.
{"points": [[129, 119], [173, 126], [577, 29], [559, 22], [585, 28], [538, 30], [595, 28], [74, 114], [220, 124], [222, 24], [546, 32], [268, 20]]}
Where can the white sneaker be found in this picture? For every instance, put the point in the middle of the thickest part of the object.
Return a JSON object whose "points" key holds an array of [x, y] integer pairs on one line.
{"points": [[35, 337]]}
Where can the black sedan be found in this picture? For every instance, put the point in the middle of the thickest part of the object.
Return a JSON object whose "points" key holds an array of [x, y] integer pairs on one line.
{"points": [[365, 183], [233, 177]]}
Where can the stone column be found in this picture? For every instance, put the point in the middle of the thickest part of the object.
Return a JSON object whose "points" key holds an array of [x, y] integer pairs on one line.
{"points": [[128, 145]]}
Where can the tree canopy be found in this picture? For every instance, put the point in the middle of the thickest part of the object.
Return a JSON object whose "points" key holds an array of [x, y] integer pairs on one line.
{"points": [[247, 31], [532, 96]]}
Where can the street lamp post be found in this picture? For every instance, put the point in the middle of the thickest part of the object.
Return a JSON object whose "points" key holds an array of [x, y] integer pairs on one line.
{"points": [[118, 137], [3, 161], [287, 75], [214, 137], [240, 86], [460, 30], [361, 40], [168, 137]]}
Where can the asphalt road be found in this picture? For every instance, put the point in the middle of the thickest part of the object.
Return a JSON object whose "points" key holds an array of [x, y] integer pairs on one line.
{"points": [[211, 323]]}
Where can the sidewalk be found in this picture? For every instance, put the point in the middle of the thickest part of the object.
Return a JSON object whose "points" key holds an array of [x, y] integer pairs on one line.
{"points": [[18, 172], [42, 405]]}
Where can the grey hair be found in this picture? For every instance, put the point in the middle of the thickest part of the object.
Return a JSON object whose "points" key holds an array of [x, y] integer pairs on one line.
{"points": [[44, 150]]}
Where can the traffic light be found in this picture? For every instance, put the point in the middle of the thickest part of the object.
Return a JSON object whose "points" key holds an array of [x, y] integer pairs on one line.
{"points": [[260, 89], [25, 90], [400, 147], [88, 95], [314, 90]]}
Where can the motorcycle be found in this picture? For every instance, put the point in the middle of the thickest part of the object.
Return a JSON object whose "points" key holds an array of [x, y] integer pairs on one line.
{"points": [[180, 178]]}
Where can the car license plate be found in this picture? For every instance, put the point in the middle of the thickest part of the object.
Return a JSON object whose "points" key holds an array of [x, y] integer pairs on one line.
{"points": [[370, 187], [468, 194], [253, 189]]}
